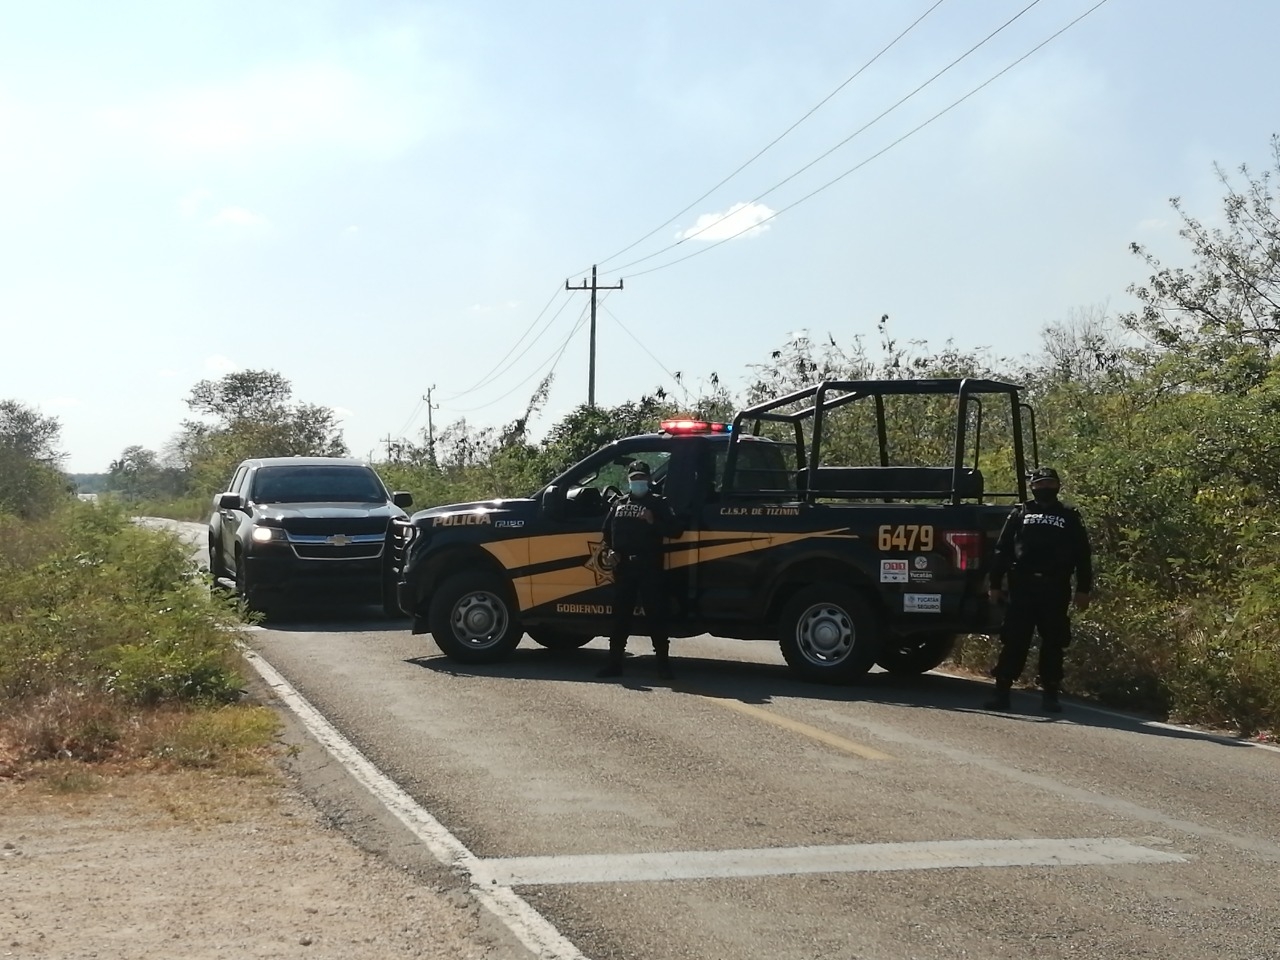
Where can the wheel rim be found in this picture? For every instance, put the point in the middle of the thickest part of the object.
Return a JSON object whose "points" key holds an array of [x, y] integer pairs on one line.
{"points": [[825, 634], [479, 619]]}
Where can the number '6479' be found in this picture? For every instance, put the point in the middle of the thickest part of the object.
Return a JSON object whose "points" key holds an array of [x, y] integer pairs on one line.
{"points": [[906, 537]]}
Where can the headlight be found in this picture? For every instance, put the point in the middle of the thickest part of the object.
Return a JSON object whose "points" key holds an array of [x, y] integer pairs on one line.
{"points": [[264, 534]]}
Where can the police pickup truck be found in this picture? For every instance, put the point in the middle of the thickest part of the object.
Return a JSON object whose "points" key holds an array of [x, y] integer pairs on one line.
{"points": [[846, 566]]}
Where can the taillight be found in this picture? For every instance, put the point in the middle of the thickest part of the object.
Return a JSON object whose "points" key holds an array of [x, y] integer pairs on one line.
{"points": [[966, 548]]}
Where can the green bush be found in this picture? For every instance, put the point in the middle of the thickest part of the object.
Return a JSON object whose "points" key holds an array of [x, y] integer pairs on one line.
{"points": [[90, 601]]}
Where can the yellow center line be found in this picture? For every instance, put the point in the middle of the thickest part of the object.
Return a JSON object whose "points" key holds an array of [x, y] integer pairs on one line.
{"points": [[795, 726]]}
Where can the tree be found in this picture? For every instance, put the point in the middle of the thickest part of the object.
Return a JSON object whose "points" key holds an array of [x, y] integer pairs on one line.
{"points": [[30, 481], [246, 414], [1223, 313], [138, 474]]}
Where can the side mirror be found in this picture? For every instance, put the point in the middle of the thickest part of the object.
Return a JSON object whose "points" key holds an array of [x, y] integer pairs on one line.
{"points": [[402, 499], [553, 503], [230, 501]]}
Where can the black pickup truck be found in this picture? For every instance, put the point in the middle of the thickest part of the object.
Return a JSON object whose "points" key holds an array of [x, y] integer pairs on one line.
{"points": [[293, 524], [845, 566]]}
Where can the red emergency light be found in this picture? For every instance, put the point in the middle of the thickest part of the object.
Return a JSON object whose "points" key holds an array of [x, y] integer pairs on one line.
{"points": [[694, 426]]}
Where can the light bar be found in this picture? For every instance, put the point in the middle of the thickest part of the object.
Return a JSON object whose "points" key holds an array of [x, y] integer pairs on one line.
{"points": [[694, 427]]}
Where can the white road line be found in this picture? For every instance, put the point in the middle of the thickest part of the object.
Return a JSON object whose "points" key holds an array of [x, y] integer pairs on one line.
{"points": [[530, 927], [1224, 739], [854, 858], [1178, 728]]}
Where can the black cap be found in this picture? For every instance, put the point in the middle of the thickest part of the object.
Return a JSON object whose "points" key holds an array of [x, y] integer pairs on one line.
{"points": [[637, 468], [1044, 473]]}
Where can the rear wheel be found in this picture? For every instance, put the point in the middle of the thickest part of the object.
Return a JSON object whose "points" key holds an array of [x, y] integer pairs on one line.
{"points": [[473, 620], [559, 639], [829, 634], [915, 653]]}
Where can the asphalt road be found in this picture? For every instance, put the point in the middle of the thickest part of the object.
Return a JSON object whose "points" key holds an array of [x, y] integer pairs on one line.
{"points": [[738, 813]]}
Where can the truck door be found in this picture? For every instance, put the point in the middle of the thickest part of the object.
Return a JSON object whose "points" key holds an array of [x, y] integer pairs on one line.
{"points": [[735, 525], [569, 573]]}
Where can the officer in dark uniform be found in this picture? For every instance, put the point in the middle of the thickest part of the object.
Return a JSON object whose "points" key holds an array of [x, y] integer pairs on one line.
{"points": [[633, 531], [1043, 543]]}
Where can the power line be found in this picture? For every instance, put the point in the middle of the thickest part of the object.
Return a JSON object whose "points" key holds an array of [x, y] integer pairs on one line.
{"points": [[554, 360], [404, 430], [772, 143], [490, 376], [627, 331], [878, 153], [866, 126]]}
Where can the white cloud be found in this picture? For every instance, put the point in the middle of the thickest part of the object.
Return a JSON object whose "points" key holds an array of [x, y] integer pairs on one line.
{"points": [[353, 229], [191, 204], [217, 363], [740, 220], [238, 217]]}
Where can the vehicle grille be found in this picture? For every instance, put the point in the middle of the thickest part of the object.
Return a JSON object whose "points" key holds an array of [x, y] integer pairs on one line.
{"points": [[320, 526], [328, 551]]}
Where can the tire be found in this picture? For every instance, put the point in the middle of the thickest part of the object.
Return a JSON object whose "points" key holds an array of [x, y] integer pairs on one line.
{"points": [[246, 590], [559, 639], [216, 569], [916, 653], [473, 618], [390, 603], [829, 634]]}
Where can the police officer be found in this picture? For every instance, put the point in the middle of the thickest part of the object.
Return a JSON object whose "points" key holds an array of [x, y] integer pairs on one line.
{"points": [[634, 530], [1043, 543]]}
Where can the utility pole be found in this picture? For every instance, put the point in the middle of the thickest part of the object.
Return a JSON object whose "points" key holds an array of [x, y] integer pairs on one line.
{"points": [[591, 370], [431, 429], [390, 444]]}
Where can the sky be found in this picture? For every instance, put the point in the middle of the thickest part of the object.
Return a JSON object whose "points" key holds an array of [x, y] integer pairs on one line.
{"points": [[378, 200]]}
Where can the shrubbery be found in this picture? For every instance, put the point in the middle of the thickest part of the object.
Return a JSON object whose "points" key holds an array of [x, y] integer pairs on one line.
{"points": [[106, 626]]}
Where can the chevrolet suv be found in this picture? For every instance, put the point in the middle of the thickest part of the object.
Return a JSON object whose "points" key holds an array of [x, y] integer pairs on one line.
{"points": [[298, 524]]}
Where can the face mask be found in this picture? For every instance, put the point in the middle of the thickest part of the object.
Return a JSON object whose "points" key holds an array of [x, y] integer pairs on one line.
{"points": [[1045, 496], [638, 487]]}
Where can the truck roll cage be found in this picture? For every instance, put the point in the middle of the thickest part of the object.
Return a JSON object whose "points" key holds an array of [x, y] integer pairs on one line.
{"points": [[958, 482]]}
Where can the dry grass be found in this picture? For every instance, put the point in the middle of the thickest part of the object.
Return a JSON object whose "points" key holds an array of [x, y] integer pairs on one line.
{"points": [[40, 735]]}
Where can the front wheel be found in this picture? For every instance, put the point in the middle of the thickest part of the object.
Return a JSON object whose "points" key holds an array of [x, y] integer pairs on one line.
{"points": [[829, 634], [472, 618], [247, 591], [916, 653], [217, 568], [390, 602], [559, 639]]}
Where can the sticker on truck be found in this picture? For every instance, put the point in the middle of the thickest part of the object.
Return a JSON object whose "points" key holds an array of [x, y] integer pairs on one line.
{"points": [[922, 602], [893, 571]]}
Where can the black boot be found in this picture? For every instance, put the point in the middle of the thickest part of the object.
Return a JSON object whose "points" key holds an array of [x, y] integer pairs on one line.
{"points": [[613, 668], [662, 655], [1049, 702], [1000, 699]]}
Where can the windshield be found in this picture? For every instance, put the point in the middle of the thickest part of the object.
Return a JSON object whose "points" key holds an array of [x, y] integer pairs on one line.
{"points": [[318, 484]]}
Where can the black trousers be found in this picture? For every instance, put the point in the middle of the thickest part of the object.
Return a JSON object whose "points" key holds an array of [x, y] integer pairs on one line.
{"points": [[1035, 604], [639, 579]]}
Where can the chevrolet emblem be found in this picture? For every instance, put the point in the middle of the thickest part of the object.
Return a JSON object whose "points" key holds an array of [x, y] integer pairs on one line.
{"points": [[340, 540]]}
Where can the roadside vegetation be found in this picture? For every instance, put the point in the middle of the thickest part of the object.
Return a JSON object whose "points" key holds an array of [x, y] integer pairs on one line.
{"points": [[1164, 421], [112, 651]]}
